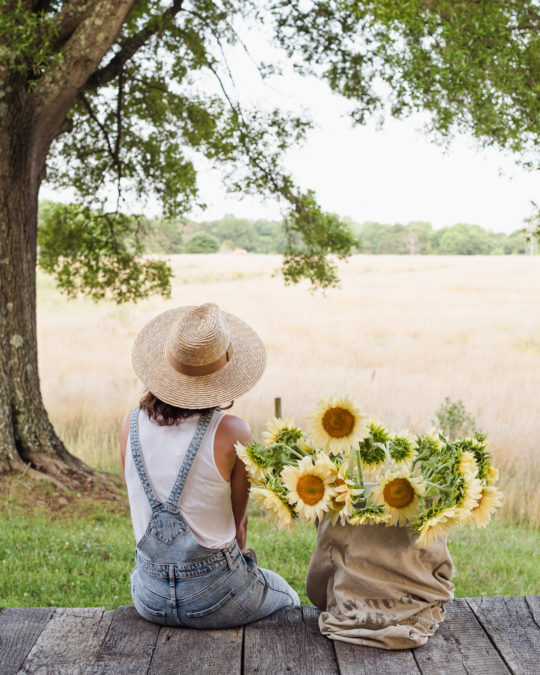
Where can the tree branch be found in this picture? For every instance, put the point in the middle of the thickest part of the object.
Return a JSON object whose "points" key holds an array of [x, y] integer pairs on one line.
{"points": [[130, 47], [81, 55], [118, 139], [69, 17], [100, 126]]}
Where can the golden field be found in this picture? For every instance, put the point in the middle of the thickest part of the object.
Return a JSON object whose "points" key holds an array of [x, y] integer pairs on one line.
{"points": [[400, 334]]}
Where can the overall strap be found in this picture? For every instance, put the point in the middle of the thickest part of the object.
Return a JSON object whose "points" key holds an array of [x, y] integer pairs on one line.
{"points": [[171, 504], [139, 461]]}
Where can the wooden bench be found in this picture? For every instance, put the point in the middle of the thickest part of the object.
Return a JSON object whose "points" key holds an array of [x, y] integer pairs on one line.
{"points": [[487, 635]]}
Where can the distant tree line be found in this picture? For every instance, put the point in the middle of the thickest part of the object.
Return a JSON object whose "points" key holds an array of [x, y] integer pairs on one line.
{"points": [[419, 238], [265, 236], [225, 234]]}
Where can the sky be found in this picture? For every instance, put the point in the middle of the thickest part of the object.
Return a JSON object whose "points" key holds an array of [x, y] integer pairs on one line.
{"points": [[396, 174]]}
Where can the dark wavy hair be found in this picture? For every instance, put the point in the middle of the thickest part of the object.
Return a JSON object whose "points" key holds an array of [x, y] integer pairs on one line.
{"points": [[165, 414]]}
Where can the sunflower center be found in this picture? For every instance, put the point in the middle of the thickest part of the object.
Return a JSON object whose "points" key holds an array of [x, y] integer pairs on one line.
{"points": [[398, 493], [310, 489], [338, 422]]}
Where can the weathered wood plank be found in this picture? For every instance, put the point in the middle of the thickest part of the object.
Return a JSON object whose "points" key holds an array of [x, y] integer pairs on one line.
{"points": [[129, 645], [288, 641], [19, 630], [359, 660], [69, 642], [533, 602], [460, 645], [513, 630], [185, 651]]}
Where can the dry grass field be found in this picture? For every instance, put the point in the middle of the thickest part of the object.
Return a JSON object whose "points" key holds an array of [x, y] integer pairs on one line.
{"points": [[400, 335]]}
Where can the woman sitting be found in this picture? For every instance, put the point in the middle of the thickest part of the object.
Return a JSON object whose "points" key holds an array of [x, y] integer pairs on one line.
{"points": [[187, 489]]}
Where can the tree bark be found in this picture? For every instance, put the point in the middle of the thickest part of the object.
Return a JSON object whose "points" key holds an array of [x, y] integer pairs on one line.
{"points": [[26, 435], [29, 122]]}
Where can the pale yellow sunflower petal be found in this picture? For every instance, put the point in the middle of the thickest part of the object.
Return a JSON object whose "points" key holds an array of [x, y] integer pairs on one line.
{"points": [[267, 499], [489, 502]]}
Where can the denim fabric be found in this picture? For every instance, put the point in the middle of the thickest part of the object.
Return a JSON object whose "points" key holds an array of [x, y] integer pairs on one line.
{"points": [[178, 582]]}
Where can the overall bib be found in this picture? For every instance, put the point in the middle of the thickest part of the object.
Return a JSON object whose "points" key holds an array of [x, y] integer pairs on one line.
{"points": [[178, 582]]}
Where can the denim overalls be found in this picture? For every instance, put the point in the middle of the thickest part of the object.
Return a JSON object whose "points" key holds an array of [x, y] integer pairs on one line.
{"points": [[178, 582]]}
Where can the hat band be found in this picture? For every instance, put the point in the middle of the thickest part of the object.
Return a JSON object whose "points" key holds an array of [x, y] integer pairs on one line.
{"points": [[205, 369]]}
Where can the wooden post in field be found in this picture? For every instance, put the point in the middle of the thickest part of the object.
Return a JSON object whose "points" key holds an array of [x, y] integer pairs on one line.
{"points": [[277, 407]]}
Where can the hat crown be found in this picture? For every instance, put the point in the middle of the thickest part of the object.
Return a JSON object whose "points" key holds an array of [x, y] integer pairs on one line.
{"points": [[200, 337]]}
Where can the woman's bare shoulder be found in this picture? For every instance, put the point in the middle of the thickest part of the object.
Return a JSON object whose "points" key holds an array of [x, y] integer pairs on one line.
{"points": [[233, 428]]}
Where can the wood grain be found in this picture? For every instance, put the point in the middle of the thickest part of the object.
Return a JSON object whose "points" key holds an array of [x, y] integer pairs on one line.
{"points": [[482, 636], [69, 643], [19, 630], [513, 630], [460, 645], [359, 660], [187, 651], [129, 645], [288, 641], [533, 602]]}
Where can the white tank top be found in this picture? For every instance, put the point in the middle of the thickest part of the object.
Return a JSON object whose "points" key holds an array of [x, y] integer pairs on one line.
{"points": [[206, 500]]}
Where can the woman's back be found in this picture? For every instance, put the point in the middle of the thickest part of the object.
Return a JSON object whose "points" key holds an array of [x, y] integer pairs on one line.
{"points": [[206, 499], [187, 488]]}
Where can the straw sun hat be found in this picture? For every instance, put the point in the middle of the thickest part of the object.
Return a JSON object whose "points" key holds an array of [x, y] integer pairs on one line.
{"points": [[198, 357]]}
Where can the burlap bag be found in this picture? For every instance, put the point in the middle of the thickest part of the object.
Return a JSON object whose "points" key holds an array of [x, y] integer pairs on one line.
{"points": [[375, 587]]}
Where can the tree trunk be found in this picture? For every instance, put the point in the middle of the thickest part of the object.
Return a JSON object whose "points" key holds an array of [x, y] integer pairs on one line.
{"points": [[26, 434]]}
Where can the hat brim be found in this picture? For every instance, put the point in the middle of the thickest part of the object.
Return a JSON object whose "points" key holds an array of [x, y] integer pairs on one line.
{"points": [[237, 376]]}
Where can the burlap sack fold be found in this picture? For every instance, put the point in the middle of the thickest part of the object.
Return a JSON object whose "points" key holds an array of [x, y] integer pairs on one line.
{"points": [[375, 587]]}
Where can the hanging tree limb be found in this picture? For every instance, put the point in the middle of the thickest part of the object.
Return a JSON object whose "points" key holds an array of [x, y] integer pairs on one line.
{"points": [[130, 47]]}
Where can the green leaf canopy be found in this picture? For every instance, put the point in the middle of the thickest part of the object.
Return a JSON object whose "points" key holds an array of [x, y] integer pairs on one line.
{"points": [[165, 93]]}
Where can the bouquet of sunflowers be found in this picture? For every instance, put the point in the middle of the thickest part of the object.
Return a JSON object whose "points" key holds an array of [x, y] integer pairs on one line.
{"points": [[350, 468]]}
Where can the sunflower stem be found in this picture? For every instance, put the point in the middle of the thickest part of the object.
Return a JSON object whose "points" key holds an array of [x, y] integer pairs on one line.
{"points": [[359, 464], [350, 468], [287, 449]]}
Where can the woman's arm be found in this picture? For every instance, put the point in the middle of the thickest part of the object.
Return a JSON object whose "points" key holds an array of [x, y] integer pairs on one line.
{"points": [[231, 430], [239, 498]]}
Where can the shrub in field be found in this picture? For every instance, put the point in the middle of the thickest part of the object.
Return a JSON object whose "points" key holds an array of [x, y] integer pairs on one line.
{"points": [[454, 420], [202, 242]]}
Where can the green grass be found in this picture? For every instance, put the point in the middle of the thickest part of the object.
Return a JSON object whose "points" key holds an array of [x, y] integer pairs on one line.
{"points": [[81, 553], [79, 556]]}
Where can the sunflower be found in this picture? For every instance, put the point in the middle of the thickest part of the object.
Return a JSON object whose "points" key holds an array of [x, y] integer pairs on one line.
{"points": [[490, 500], [437, 526], [309, 488], [337, 424], [472, 486], [346, 493], [307, 446], [402, 447], [430, 442], [398, 492], [252, 461], [281, 430], [492, 474], [323, 460], [372, 447], [279, 510], [370, 515], [467, 465]]}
